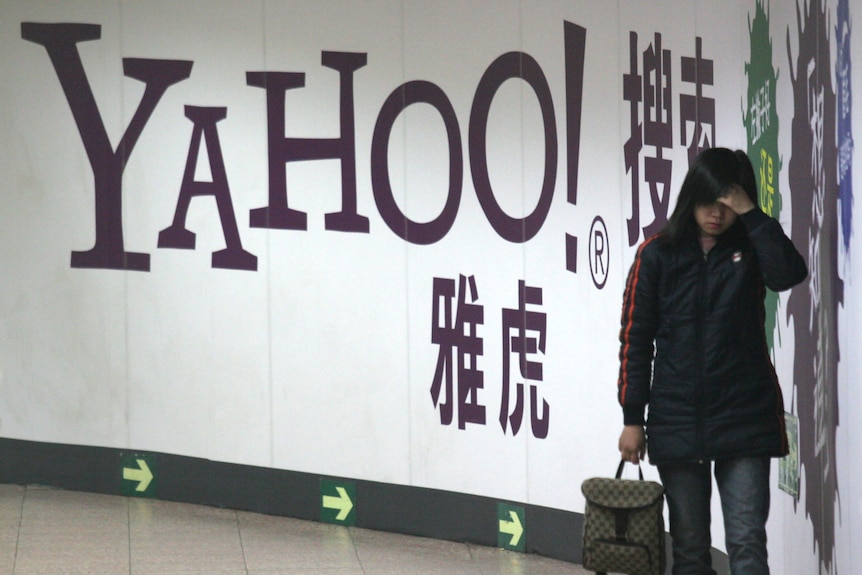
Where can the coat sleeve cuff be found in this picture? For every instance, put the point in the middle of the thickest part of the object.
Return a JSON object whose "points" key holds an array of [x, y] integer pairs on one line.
{"points": [[753, 219], [633, 416]]}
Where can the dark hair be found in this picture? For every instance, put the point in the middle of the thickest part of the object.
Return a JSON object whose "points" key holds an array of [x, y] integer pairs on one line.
{"points": [[710, 175]]}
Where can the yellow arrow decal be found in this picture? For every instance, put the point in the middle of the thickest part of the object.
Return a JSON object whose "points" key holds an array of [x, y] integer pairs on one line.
{"points": [[142, 475], [513, 528], [342, 503]]}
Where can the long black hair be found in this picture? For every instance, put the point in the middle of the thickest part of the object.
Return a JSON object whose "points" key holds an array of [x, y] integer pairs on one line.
{"points": [[710, 175]]}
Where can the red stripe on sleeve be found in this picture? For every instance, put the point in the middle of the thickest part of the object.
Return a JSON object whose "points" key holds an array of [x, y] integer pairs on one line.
{"points": [[626, 320]]}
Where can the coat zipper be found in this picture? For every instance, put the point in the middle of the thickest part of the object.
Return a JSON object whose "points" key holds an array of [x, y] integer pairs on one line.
{"points": [[699, 345]]}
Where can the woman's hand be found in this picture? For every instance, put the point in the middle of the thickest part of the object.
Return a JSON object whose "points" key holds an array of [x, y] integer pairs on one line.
{"points": [[633, 443], [737, 200]]}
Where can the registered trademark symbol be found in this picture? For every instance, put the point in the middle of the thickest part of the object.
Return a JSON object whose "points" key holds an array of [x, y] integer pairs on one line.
{"points": [[599, 252]]}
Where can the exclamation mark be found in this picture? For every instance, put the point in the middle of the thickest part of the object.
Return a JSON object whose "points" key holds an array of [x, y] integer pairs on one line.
{"points": [[575, 43]]}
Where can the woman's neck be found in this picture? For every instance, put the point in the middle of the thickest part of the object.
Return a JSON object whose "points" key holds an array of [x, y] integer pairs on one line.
{"points": [[707, 243]]}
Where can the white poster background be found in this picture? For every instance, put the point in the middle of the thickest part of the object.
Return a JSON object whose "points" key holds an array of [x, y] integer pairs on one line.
{"points": [[322, 359]]}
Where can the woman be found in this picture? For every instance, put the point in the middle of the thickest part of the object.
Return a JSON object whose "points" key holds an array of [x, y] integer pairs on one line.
{"points": [[693, 348]]}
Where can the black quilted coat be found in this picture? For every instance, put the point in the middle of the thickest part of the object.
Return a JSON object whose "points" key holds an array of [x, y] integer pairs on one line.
{"points": [[693, 345]]}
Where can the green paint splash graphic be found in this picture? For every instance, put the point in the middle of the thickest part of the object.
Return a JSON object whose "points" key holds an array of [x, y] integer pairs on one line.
{"points": [[761, 122]]}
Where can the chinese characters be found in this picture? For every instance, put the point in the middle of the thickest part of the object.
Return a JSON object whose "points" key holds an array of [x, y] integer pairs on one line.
{"points": [[458, 379], [648, 87]]}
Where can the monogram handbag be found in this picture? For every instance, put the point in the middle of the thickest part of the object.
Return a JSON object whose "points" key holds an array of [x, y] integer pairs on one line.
{"points": [[623, 525]]}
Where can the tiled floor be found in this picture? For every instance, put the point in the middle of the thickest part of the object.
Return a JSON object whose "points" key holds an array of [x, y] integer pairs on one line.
{"points": [[46, 531]]}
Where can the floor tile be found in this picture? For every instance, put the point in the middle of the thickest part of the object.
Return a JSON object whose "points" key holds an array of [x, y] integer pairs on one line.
{"points": [[310, 571], [171, 538], [69, 532], [11, 501], [388, 553], [46, 531], [274, 542], [493, 561]]}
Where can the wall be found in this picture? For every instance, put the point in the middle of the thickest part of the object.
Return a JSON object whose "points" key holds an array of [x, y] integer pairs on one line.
{"points": [[292, 235]]}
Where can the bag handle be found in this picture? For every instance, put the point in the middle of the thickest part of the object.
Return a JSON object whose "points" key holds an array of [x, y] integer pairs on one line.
{"points": [[620, 470]]}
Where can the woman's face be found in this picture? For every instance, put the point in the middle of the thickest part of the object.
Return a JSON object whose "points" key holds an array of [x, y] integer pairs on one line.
{"points": [[713, 219]]}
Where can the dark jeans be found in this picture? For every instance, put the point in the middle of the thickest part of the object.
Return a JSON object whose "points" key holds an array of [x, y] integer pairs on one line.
{"points": [[743, 485]]}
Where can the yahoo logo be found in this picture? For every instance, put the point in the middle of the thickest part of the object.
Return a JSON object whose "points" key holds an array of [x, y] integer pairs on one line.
{"points": [[108, 163]]}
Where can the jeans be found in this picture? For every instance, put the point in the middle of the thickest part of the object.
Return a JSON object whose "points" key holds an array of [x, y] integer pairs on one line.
{"points": [[743, 485]]}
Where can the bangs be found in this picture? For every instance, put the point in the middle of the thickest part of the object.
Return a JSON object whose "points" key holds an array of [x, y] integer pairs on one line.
{"points": [[710, 186], [706, 195]]}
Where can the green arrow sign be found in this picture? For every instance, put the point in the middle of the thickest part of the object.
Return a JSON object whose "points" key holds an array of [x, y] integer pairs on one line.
{"points": [[338, 502], [138, 476], [511, 527]]}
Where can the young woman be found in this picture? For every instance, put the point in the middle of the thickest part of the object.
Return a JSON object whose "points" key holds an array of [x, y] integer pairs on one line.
{"points": [[693, 349]]}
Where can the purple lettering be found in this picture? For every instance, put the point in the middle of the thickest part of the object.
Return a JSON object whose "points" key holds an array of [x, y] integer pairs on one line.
{"points": [[458, 334], [277, 215], [698, 110], [575, 43], [177, 236], [633, 93], [60, 40], [575, 47], [658, 130], [507, 66], [516, 341], [108, 163], [402, 97]]}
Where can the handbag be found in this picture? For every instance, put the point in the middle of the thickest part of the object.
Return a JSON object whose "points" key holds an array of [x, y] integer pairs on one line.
{"points": [[623, 525]]}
